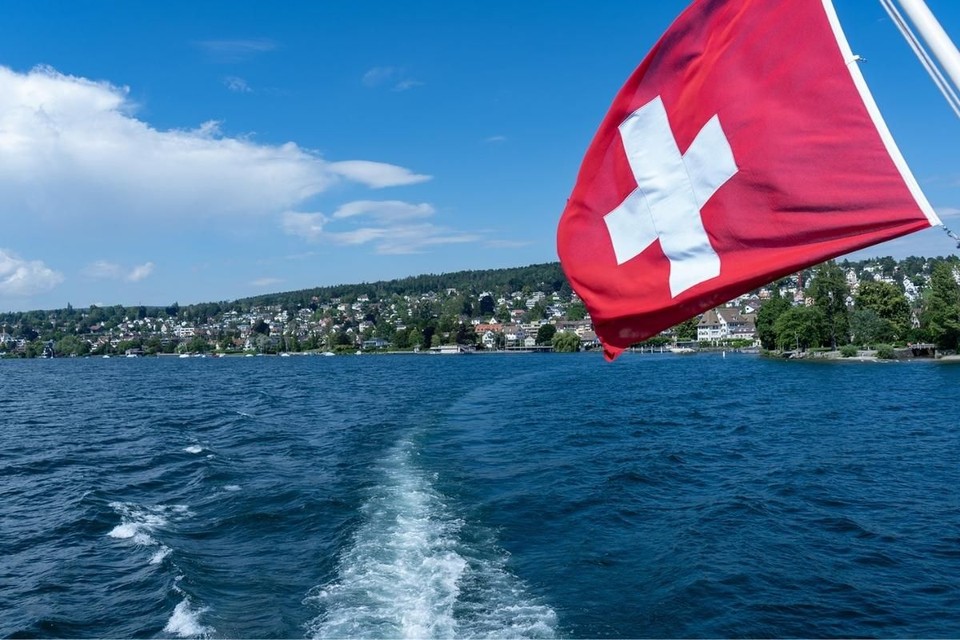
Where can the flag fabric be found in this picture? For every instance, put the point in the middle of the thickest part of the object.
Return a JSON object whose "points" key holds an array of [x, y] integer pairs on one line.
{"points": [[744, 147]]}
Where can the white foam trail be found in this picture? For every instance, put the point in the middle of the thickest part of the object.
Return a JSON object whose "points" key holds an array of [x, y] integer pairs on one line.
{"points": [[144, 539], [194, 448], [404, 573], [160, 554], [232, 487], [138, 523], [124, 531], [185, 621]]}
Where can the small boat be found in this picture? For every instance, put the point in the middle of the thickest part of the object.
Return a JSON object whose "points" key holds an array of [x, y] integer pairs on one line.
{"points": [[452, 349]]}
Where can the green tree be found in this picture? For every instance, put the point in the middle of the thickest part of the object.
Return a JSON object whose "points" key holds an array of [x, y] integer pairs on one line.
{"points": [[34, 349], [465, 334], [829, 291], [415, 337], [800, 327], [576, 311], [687, 330], [486, 306], [539, 311], [940, 317], [890, 305], [566, 342], [261, 327], [197, 344], [71, 346], [545, 333], [153, 345], [766, 320], [868, 327], [428, 334], [401, 339]]}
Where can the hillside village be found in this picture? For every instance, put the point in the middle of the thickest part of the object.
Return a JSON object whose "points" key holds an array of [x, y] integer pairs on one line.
{"points": [[534, 316]]}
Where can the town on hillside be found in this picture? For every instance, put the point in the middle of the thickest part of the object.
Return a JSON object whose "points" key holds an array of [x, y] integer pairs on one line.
{"points": [[848, 305]]}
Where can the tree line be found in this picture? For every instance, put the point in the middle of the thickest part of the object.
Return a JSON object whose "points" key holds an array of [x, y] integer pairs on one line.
{"points": [[433, 308], [880, 312]]}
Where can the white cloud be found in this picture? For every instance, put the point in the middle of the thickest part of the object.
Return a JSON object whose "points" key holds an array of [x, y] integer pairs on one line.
{"points": [[376, 174], [140, 272], [237, 85], [308, 226], [948, 212], [104, 270], [395, 234], [236, 50], [378, 75], [495, 139], [417, 238], [395, 77], [19, 277], [403, 85], [385, 210], [70, 148], [359, 236]]}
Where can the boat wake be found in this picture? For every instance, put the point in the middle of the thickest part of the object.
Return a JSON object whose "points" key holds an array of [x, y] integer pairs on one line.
{"points": [[414, 571], [142, 526]]}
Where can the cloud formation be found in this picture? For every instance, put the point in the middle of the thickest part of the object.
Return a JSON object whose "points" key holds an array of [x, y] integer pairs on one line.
{"points": [[237, 84], [376, 174], [71, 148], [230, 51], [19, 277], [393, 77], [308, 226], [393, 231], [384, 210], [105, 270]]}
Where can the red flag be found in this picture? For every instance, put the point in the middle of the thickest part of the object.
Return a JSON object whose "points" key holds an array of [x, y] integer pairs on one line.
{"points": [[745, 147]]}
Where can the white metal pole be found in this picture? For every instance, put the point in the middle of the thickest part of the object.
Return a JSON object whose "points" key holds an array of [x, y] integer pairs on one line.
{"points": [[941, 46]]}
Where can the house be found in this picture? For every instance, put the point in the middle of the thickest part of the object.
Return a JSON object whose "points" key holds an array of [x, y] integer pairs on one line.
{"points": [[375, 343], [725, 324], [489, 340], [751, 305]]}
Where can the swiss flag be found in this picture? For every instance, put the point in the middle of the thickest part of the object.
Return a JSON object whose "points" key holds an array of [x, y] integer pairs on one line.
{"points": [[745, 147]]}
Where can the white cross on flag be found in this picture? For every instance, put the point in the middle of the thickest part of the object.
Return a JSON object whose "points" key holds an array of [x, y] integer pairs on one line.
{"points": [[744, 147]]}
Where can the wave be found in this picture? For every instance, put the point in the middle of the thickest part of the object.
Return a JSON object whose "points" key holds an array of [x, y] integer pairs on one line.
{"points": [[142, 525], [138, 523], [409, 573], [185, 621]]}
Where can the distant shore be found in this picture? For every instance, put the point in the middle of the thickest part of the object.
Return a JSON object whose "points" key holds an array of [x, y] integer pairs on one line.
{"points": [[901, 355]]}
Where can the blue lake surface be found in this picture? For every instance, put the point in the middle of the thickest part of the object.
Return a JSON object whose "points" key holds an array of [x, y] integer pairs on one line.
{"points": [[479, 496]]}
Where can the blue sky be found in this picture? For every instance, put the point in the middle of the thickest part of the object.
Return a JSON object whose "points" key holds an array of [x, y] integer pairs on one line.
{"points": [[191, 152]]}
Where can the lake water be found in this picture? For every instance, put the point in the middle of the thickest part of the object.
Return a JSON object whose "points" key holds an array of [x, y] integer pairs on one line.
{"points": [[479, 496]]}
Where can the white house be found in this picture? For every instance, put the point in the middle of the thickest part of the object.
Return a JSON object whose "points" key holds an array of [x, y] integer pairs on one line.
{"points": [[725, 324]]}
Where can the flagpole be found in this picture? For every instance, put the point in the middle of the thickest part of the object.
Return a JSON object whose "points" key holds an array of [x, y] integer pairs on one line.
{"points": [[941, 46]]}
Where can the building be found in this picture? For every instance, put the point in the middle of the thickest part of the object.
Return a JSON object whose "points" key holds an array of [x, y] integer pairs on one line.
{"points": [[726, 324]]}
